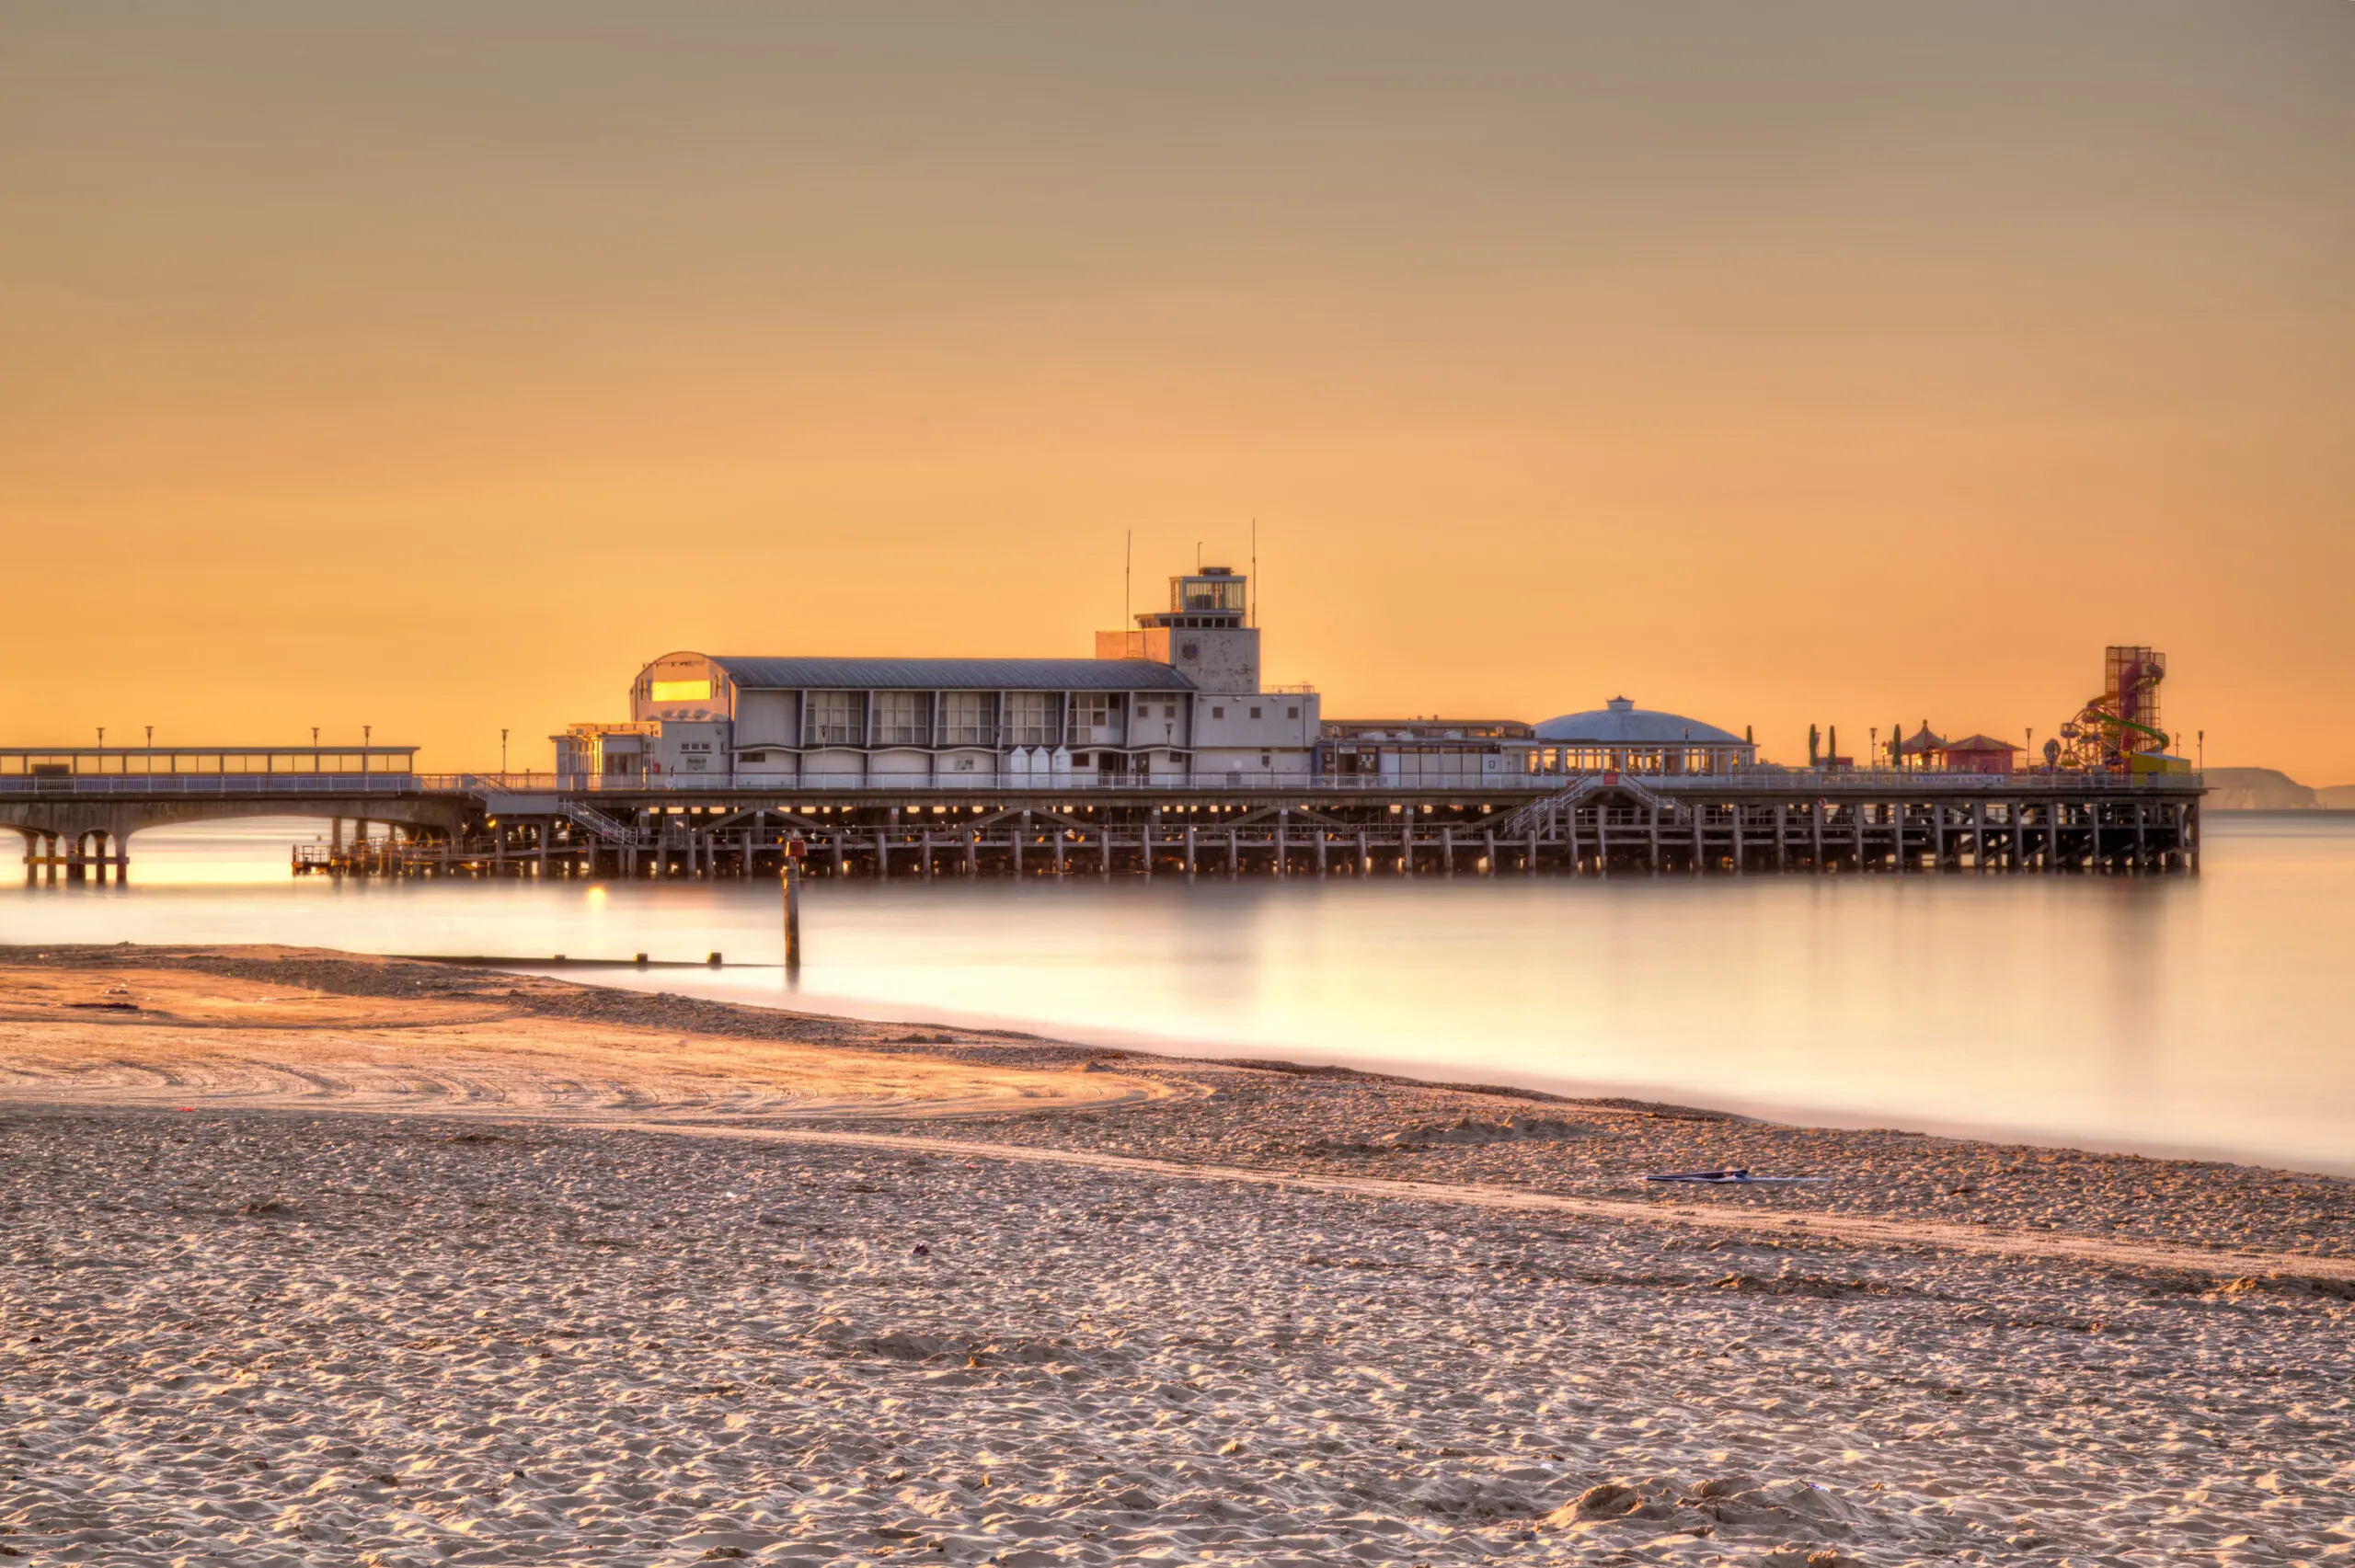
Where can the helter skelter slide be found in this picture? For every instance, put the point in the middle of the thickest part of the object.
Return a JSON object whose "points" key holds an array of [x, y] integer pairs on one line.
{"points": [[2119, 729]]}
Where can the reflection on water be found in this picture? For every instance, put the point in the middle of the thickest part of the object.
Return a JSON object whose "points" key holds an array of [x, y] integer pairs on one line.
{"points": [[2161, 1013]]}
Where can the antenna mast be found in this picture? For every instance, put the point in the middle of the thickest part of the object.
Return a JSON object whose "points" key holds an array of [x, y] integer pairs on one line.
{"points": [[1254, 571]]}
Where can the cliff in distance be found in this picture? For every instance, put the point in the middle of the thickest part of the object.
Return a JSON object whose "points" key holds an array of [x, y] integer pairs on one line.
{"points": [[2269, 789]]}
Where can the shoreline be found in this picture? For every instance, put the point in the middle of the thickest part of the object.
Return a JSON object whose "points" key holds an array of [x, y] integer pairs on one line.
{"points": [[2235, 1064], [1189, 1131], [1436, 1073]]}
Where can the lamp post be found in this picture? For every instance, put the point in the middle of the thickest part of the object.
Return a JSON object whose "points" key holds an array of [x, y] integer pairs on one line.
{"points": [[502, 756]]}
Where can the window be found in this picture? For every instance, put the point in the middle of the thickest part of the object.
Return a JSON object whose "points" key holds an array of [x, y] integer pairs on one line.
{"points": [[902, 718], [1292, 711], [1030, 719], [1091, 718], [965, 719], [1195, 594], [1255, 713], [682, 691], [836, 718], [1218, 712]]}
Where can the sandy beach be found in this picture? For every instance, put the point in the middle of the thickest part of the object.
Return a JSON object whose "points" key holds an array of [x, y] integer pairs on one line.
{"points": [[312, 1258]]}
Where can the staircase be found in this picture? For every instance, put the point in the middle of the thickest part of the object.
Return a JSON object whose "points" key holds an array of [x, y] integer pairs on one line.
{"points": [[1538, 811], [607, 830]]}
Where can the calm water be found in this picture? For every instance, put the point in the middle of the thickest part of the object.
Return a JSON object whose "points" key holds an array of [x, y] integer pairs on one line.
{"points": [[2160, 1014]]}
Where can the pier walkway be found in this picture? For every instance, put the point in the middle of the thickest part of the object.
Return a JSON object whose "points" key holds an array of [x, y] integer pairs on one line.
{"points": [[77, 808]]}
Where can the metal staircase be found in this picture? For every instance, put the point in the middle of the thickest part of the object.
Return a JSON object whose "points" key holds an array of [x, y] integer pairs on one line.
{"points": [[1543, 810], [608, 830]]}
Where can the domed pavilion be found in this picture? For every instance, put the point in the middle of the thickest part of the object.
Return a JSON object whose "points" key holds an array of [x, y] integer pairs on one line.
{"points": [[1621, 738]]}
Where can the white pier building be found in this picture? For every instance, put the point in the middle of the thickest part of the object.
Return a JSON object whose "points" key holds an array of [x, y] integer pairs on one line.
{"points": [[1176, 700]]}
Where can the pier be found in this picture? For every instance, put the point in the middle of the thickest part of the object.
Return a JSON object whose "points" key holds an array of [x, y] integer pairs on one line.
{"points": [[385, 820]]}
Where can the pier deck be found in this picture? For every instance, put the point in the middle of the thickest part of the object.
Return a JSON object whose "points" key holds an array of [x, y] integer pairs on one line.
{"points": [[1753, 821], [1897, 824]]}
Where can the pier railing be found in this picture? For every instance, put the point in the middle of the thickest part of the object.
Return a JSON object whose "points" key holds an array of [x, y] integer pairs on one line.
{"points": [[489, 786], [148, 787], [1745, 781]]}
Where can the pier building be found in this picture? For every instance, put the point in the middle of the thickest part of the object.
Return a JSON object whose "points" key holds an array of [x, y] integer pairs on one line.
{"points": [[1623, 739], [1177, 699]]}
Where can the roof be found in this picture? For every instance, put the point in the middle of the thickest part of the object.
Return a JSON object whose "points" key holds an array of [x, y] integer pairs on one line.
{"points": [[1979, 743], [1920, 743], [1621, 723], [954, 674]]}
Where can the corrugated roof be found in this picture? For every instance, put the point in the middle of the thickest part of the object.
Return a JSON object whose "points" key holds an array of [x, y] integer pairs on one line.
{"points": [[954, 674], [1621, 723]]}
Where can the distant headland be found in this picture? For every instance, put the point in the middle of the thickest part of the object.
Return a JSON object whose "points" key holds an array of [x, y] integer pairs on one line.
{"points": [[2269, 789]]}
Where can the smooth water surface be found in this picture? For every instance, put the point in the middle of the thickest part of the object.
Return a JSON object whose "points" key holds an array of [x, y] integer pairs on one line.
{"points": [[2167, 1013]]}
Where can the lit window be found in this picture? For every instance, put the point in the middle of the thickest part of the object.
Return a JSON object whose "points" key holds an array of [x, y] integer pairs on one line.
{"points": [[682, 691]]}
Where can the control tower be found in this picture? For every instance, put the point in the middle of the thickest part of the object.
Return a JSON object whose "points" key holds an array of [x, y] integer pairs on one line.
{"points": [[1206, 633]]}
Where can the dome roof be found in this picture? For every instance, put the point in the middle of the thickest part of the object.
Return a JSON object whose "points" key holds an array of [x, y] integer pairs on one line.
{"points": [[1621, 723]]}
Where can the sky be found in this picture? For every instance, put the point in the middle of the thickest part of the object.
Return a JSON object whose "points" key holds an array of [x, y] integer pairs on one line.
{"points": [[435, 367]]}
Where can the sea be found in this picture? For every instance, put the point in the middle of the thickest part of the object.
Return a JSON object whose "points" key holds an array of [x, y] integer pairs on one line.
{"points": [[2206, 1017]]}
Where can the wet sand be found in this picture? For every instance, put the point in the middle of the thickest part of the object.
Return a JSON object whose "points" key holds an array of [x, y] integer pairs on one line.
{"points": [[312, 1258]]}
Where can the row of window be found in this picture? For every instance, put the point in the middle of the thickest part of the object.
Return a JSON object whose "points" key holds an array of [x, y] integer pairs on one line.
{"points": [[966, 718]]}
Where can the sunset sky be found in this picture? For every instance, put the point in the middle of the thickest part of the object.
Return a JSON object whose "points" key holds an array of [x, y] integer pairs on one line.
{"points": [[434, 367]]}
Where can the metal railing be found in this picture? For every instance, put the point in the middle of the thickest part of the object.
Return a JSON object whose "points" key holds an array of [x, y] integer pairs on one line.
{"points": [[489, 787], [1745, 781], [86, 787]]}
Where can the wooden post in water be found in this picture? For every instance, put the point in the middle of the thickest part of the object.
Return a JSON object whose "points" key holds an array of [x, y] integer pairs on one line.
{"points": [[795, 848]]}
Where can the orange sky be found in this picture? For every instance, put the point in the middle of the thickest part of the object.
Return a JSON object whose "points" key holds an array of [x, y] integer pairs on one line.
{"points": [[433, 370]]}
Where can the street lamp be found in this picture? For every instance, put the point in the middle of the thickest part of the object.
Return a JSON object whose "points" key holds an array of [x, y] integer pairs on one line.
{"points": [[502, 754]]}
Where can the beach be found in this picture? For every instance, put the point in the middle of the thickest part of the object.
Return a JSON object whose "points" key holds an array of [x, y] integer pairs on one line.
{"points": [[314, 1258]]}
